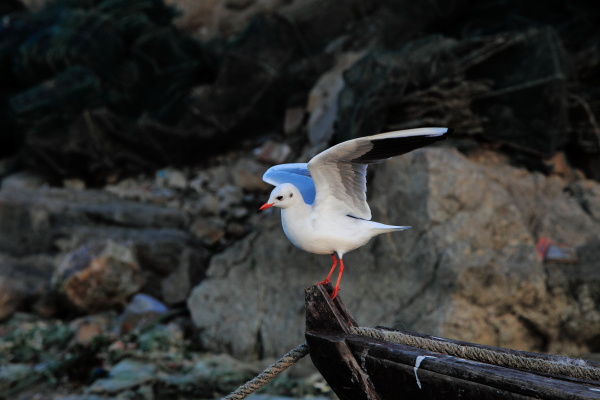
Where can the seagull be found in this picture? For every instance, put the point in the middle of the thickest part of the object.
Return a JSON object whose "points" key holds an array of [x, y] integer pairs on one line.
{"points": [[323, 202]]}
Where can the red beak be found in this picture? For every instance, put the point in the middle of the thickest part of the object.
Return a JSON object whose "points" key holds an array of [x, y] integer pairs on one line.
{"points": [[264, 207]]}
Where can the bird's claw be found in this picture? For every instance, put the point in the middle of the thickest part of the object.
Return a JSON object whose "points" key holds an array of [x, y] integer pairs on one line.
{"points": [[334, 293]]}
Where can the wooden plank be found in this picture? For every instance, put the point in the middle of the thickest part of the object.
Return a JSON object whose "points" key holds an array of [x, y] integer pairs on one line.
{"points": [[520, 353], [397, 381], [324, 314], [334, 360], [498, 378]]}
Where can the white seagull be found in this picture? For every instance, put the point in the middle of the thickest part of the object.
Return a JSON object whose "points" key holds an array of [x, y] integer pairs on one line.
{"points": [[323, 203]]}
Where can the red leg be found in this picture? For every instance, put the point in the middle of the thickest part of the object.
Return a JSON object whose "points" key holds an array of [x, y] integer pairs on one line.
{"points": [[336, 289], [328, 279]]}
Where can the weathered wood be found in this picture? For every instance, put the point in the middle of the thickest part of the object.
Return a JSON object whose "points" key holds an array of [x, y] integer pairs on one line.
{"points": [[520, 353], [359, 367], [332, 318], [342, 372], [324, 314], [380, 358], [394, 381]]}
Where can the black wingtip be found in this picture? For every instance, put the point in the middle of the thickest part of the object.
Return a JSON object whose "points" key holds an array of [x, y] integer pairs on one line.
{"points": [[395, 146]]}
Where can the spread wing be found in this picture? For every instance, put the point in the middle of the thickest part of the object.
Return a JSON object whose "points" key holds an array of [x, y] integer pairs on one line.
{"points": [[296, 174], [339, 173]]}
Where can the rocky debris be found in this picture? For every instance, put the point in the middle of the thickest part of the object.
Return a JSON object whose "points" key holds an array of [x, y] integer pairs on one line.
{"points": [[140, 311], [91, 327], [273, 152], [65, 220], [467, 269], [99, 276], [172, 178], [29, 339], [33, 220], [156, 362], [247, 174], [24, 180], [208, 230], [128, 374], [213, 373], [25, 285], [12, 373]]}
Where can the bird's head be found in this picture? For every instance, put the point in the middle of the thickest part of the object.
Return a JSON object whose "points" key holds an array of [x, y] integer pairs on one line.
{"points": [[283, 196]]}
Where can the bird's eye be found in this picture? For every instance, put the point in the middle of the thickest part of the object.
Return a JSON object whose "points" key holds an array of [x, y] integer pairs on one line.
{"points": [[291, 194], [280, 198]]}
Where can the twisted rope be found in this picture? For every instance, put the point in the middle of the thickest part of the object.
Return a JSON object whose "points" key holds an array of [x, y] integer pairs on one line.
{"points": [[564, 366], [269, 373]]}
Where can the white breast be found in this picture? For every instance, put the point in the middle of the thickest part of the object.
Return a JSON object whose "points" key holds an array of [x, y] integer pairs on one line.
{"points": [[323, 236]]}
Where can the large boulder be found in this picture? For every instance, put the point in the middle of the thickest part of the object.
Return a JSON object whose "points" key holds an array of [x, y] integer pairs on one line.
{"points": [[99, 276], [66, 222], [467, 270]]}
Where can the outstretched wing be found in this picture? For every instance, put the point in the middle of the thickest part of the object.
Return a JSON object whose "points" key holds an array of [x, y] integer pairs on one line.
{"points": [[296, 174], [339, 173]]}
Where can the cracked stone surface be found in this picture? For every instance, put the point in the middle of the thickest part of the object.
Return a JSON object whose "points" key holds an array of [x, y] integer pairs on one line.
{"points": [[466, 270]]}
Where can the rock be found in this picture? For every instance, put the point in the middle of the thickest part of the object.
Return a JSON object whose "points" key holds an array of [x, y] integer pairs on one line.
{"points": [[292, 121], [211, 179], [238, 212], [140, 311], [572, 303], [33, 220], [247, 174], [467, 270], [587, 194], [11, 374], [236, 230], [74, 183], [272, 152], [24, 180], [25, 285], [190, 270], [127, 374], [158, 250], [99, 276], [171, 255], [323, 99], [172, 178], [220, 18], [208, 230], [229, 196], [212, 373], [29, 339], [39, 221], [167, 339], [209, 205], [91, 326]]}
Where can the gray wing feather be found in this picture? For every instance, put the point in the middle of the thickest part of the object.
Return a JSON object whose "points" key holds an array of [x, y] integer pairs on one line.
{"points": [[339, 173]]}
